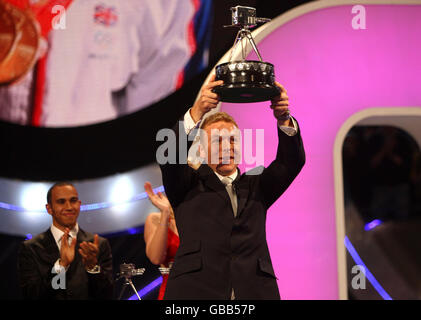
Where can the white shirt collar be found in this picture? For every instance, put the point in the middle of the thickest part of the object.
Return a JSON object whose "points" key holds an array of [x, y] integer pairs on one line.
{"points": [[232, 176], [57, 233]]}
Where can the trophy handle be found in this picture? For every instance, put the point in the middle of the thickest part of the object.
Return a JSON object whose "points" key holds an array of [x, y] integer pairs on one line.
{"points": [[241, 34], [248, 35], [234, 46]]}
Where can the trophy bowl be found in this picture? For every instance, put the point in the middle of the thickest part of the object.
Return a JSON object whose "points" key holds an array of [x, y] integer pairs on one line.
{"points": [[246, 81]]}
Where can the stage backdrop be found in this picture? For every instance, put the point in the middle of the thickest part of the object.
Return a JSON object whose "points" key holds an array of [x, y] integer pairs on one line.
{"points": [[336, 59]]}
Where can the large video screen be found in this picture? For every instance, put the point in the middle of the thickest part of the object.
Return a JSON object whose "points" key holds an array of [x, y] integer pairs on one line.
{"points": [[66, 63]]}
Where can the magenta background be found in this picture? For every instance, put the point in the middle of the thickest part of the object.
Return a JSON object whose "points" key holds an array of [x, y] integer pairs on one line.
{"points": [[330, 71]]}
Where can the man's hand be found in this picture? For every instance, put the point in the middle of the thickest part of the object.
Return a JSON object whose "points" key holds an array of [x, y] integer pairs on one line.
{"points": [[207, 101], [280, 107], [67, 251], [89, 252]]}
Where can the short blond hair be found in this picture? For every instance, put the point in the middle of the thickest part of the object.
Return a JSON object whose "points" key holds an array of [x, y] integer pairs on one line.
{"points": [[216, 117], [213, 118]]}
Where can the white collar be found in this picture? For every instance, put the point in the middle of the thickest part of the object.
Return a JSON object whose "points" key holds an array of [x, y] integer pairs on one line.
{"points": [[232, 176], [57, 233]]}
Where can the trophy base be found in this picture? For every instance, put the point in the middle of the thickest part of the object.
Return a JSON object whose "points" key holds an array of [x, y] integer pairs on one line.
{"points": [[246, 81], [245, 93]]}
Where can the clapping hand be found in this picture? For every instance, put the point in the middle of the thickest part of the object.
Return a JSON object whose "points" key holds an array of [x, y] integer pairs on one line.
{"points": [[67, 251], [158, 200], [89, 252]]}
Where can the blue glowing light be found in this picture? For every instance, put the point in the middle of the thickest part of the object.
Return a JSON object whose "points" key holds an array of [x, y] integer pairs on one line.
{"points": [[28, 236], [85, 207], [133, 230], [147, 289], [371, 225], [12, 207], [368, 274]]}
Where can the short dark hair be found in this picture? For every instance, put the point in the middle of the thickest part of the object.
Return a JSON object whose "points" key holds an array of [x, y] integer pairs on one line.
{"points": [[57, 184]]}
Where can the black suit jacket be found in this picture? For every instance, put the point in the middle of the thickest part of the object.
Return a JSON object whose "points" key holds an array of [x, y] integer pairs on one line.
{"points": [[218, 252], [37, 258]]}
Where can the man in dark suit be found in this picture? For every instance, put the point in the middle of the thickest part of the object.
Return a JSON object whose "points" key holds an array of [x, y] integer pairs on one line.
{"points": [[49, 265], [221, 214]]}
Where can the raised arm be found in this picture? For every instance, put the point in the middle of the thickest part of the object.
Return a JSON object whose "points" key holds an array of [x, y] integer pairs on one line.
{"points": [[156, 227], [207, 100], [178, 178], [290, 155]]}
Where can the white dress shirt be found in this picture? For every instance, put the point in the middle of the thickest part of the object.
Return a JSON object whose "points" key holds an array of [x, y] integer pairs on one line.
{"points": [[231, 176], [58, 234]]}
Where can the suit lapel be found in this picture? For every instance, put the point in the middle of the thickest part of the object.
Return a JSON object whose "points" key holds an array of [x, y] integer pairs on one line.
{"points": [[81, 236], [242, 188], [211, 180], [51, 252]]}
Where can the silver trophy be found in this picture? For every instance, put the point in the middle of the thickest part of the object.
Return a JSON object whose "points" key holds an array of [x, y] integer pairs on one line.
{"points": [[245, 80]]}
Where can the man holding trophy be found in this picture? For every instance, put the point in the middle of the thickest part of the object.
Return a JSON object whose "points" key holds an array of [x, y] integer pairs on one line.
{"points": [[220, 212]]}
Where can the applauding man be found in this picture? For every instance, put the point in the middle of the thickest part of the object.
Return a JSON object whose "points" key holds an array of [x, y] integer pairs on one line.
{"points": [[65, 262]]}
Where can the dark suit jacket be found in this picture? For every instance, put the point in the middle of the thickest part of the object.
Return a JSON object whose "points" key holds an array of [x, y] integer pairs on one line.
{"points": [[36, 260], [218, 252]]}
